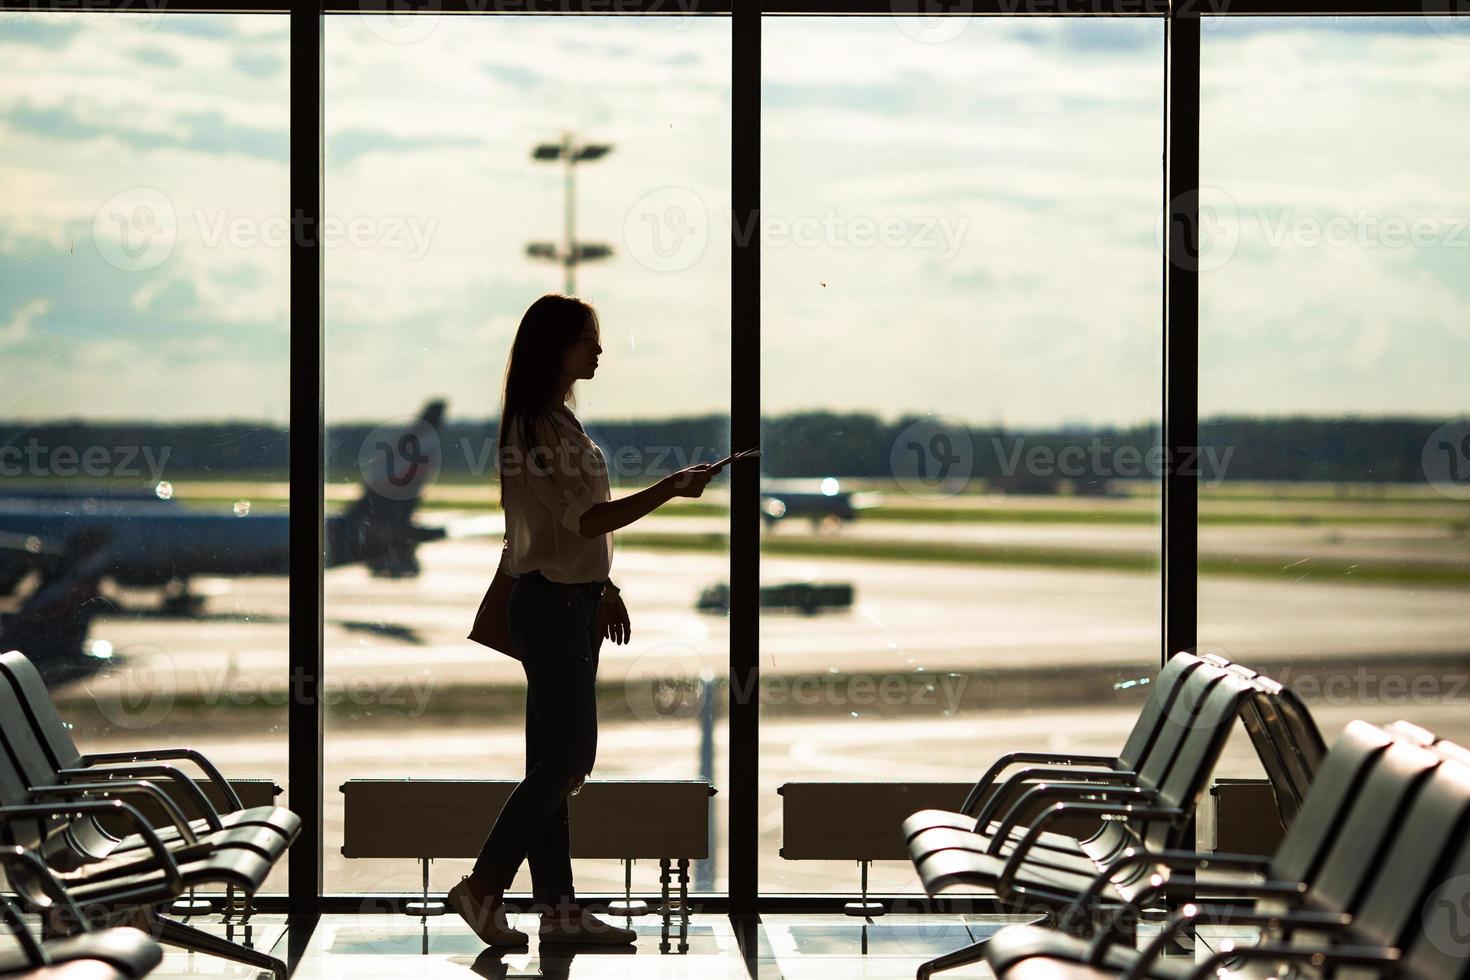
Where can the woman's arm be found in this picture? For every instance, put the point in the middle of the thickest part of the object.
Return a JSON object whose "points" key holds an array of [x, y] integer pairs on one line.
{"points": [[559, 479], [610, 515]]}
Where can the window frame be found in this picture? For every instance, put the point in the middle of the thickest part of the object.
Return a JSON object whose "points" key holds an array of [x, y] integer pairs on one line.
{"points": [[1178, 400]]}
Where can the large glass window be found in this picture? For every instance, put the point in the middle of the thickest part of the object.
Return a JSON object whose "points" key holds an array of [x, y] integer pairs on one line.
{"points": [[961, 378], [144, 316], [960, 387], [1334, 299], [432, 133]]}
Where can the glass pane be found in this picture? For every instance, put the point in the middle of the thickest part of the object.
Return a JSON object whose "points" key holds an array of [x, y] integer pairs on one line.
{"points": [[961, 386], [432, 133], [1333, 304], [144, 318]]}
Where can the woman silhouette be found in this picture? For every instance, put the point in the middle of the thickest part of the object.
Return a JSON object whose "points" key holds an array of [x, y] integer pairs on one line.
{"points": [[559, 519]]}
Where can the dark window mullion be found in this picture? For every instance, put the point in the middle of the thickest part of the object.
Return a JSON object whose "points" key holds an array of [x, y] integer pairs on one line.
{"points": [[1181, 337], [308, 508], [745, 372]]}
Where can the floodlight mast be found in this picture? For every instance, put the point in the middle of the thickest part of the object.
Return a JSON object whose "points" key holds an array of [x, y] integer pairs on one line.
{"points": [[571, 252]]}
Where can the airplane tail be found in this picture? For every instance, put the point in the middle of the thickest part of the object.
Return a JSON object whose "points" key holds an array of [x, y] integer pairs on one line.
{"points": [[398, 462]]}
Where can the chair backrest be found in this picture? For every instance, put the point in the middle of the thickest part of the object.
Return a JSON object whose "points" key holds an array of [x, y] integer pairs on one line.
{"points": [[1179, 721], [1162, 691], [1340, 779], [1367, 829], [1204, 740], [1424, 843], [24, 749], [23, 754], [1287, 741], [1266, 732], [1222, 663], [1440, 948], [1305, 737], [24, 832], [51, 730], [1174, 729]]}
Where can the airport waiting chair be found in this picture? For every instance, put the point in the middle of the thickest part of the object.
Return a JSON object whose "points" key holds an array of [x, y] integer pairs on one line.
{"points": [[120, 953], [987, 799], [123, 879], [128, 894], [928, 830], [1286, 739], [68, 762], [83, 841], [1287, 742], [1366, 913], [1139, 818]]}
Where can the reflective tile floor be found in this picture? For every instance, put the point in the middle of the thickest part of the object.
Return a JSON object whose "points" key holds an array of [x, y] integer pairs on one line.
{"points": [[778, 947]]}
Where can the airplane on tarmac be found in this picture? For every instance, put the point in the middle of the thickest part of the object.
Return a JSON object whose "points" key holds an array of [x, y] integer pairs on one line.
{"points": [[75, 538], [72, 539], [820, 501]]}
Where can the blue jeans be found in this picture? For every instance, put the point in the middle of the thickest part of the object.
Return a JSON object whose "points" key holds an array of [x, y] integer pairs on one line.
{"points": [[556, 629]]}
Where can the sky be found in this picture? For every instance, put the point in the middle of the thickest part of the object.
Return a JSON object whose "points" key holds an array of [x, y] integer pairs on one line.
{"points": [[960, 217]]}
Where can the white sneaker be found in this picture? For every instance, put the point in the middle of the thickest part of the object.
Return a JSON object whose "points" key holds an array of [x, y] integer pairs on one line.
{"points": [[586, 928]]}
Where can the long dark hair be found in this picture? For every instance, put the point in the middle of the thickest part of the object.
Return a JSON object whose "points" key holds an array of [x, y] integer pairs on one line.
{"points": [[550, 327]]}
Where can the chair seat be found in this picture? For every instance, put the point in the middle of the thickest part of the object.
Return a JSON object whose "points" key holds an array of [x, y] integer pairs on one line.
{"points": [[922, 820], [124, 861], [238, 867], [945, 871], [277, 818], [927, 842], [269, 841], [75, 970], [124, 951]]}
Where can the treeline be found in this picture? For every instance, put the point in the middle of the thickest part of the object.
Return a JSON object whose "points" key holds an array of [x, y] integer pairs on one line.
{"points": [[808, 444]]}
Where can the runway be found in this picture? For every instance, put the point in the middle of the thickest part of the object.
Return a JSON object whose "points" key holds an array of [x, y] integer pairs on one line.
{"points": [[934, 670]]}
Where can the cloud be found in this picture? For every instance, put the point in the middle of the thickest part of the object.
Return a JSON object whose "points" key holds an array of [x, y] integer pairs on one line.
{"points": [[350, 144], [204, 132], [52, 34], [157, 57], [259, 65], [19, 326], [518, 76]]}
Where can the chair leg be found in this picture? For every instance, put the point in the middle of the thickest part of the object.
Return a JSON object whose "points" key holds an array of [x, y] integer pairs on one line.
{"points": [[965, 955], [176, 933]]}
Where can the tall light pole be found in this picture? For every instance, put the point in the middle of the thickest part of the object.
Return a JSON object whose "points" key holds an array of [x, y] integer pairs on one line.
{"points": [[570, 252]]}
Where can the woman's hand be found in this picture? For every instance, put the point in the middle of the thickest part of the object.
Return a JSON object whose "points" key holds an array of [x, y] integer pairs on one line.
{"points": [[691, 481], [614, 620]]}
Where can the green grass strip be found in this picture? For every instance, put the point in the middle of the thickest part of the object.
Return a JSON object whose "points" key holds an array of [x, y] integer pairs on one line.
{"points": [[1080, 559]]}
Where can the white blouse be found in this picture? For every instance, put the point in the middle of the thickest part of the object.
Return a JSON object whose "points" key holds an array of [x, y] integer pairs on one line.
{"points": [[545, 496]]}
